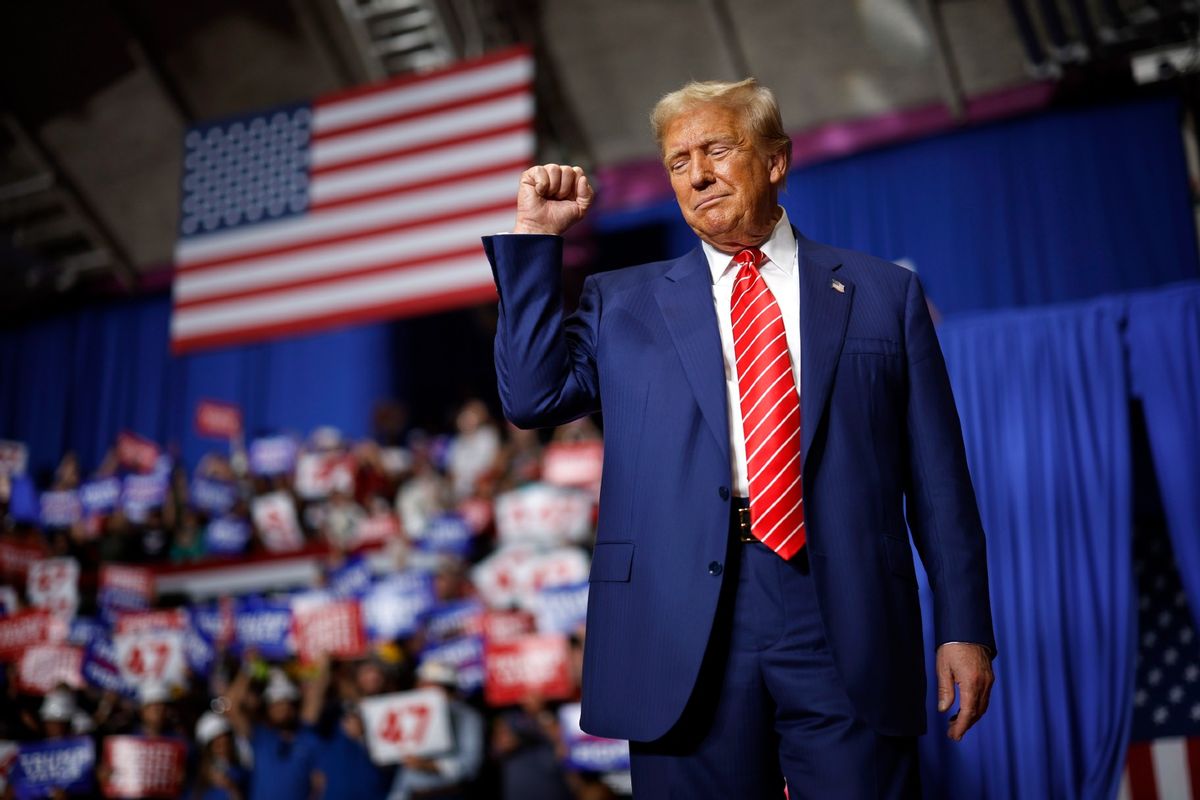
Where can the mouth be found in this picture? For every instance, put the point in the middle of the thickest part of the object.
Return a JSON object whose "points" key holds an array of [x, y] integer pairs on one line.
{"points": [[708, 201]]}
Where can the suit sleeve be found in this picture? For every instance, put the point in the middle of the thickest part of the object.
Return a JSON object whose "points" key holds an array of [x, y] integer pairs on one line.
{"points": [[545, 364], [941, 507]]}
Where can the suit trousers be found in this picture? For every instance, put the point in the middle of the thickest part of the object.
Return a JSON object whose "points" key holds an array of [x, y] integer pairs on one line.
{"points": [[769, 705]]}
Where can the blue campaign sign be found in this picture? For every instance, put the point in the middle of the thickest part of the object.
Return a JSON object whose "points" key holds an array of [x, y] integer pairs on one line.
{"points": [[273, 455], [41, 767], [392, 607], [199, 652], [101, 670], [100, 496], [227, 536], [213, 497], [447, 533], [60, 509], [142, 492], [447, 621], [465, 654], [263, 625], [350, 579], [589, 753], [85, 630], [208, 620], [561, 609]]}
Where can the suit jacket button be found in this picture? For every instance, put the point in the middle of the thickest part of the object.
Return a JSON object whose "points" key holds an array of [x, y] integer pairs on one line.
{"points": [[714, 568], [724, 492]]}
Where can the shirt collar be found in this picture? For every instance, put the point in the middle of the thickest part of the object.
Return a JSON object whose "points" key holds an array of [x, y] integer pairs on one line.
{"points": [[779, 249]]}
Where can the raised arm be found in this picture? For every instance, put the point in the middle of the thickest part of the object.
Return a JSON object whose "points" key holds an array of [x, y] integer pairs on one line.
{"points": [[545, 364]]}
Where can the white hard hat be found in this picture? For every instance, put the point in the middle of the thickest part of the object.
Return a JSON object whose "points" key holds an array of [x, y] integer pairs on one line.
{"points": [[210, 726], [280, 688], [152, 692], [59, 706], [438, 672]]}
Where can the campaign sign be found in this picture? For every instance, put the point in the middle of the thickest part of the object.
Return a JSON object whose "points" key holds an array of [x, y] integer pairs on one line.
{"points": [[9, 602], [125, 587], [264, 626], [478, 513], [198, 652], [167, 619], [393, 607], [274, 455], [504, 626], [319, 475], [376, 529], [140, 493], [588, 753], [213, 497], [351, 578], [544, 514], [447, 621], [531, 665], [144, 766], [101, 670], [218, 420], [447, 533], [14, 457], [100, 496], [136, 452], [227, 536], [513, 575], [214, 621], [465, 654], [53, 584], [403, 724], [85, 630], [44, 666], [15, 557], [561, 609], [60, 509], [577, 464], [27, 628], [333, 628], [152, 655], [275, 519], [42, 767]]}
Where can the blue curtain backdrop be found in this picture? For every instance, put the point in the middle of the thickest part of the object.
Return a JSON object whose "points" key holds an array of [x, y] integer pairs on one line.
{"points": [[1043, 396], [1164, 355]]}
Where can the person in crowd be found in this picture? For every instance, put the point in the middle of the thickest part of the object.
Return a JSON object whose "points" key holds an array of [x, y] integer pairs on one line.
{"points": [[474, 450], [154, 710], [58, 714], [449, 775], [284, 745], [528, 759], [219, 773]]}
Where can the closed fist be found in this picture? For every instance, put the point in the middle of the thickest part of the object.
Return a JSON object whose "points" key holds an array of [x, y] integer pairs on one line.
{"points": [[552, 198]]}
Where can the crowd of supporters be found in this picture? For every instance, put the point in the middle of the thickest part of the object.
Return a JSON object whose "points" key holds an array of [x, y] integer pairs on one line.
{"points": [[448, 553]]}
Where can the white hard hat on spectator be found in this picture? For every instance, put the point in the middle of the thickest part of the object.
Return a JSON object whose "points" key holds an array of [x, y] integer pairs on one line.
{"points": [[210, 726], [152, 692], [82, 723], [438, 672], [59, 706], [280, 689]]}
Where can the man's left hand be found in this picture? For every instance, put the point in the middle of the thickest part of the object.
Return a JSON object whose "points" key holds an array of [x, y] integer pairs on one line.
{"points": [[969, 667]]}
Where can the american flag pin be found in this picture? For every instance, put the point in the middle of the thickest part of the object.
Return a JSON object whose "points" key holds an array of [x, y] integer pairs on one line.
{"points": [[838, 286]]}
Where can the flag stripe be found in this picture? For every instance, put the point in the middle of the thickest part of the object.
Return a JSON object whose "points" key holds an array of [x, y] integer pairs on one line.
{"points": [[324, 134], [1140, 764], [1171, 768]]}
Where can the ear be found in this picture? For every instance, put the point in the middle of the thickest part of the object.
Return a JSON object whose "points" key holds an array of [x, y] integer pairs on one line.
{"points": [[777, 166]]}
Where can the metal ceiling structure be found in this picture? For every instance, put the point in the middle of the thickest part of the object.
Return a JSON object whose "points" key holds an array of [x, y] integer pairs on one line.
{"points": [[95, 96]]}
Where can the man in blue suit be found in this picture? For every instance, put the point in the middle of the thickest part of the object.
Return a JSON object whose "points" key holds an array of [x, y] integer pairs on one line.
{"points": [[737, 646]]}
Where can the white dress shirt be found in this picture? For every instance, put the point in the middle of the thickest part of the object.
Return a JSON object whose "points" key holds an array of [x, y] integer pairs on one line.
{"points": [[781, 272]]}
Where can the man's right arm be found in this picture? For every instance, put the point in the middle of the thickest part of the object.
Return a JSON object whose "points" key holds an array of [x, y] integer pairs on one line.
{"points": [[545, 365]]}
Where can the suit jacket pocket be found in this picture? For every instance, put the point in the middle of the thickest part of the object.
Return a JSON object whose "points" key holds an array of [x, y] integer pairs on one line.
{"points": [[855, 346], [612, 561], [899, 557]]}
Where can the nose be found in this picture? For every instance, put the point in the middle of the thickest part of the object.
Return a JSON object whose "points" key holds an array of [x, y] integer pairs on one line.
{"points": [[700, 173]]}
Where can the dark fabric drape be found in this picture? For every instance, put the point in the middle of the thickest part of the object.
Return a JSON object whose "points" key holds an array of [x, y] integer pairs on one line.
{"points": [[1042, 396], [1164, 356]]}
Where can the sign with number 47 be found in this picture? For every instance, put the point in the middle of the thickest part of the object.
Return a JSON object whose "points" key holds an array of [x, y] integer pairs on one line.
{"points": [[406, 724], [153, 655]]}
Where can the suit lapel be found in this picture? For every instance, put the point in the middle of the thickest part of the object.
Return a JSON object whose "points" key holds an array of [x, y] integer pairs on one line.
{"points": [[686, 300], [824, 312]]}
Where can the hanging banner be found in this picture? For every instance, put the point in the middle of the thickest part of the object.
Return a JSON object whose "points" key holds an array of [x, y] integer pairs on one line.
{"points": [[404, 724], [100, 496], [14, 458], [137, 452], [264, 626], [42, 768], [275, 520], [60, 509], [574, 464], [466, 655], [587, 753], [218, 420], [53, 584], [152, 655], [44, 667], [319, 475], [536, 665], [392, 608], [544, 514], [144, 766], [27, 628], [274, 455], [333, 628], [561, 609]]}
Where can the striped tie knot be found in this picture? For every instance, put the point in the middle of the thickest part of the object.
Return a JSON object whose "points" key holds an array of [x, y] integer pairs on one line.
{"points": [[748, 257]]}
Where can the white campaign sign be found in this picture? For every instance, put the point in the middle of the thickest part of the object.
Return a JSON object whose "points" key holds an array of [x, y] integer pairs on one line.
{"points": [[544, 514], [405, 724], [152, 655], [514, 574], [275, 519], [54, 585]]}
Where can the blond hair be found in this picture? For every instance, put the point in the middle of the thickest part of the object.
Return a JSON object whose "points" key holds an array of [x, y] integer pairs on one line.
{"points": [[756, 103]]}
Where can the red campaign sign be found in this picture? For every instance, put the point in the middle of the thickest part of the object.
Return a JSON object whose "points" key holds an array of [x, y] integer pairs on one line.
{"points": [[577, 464], [44, 666], [218, 420], [17, 557], [529, 666], [319, 474], [127, 580], [143, 766], [27, 628], [174, 619], [376, 529], [136, 452], [505, 626], [334, 628]]}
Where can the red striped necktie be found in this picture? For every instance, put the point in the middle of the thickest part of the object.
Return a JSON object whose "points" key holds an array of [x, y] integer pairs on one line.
{"points": [[770, 410]]}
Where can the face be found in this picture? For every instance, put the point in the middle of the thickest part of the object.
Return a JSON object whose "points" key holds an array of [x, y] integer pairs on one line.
{"points": [[726, 188], [154, 716], [281, 713]]}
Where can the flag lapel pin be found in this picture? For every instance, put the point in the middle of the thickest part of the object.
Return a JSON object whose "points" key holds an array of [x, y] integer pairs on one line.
{"points": [[838, 286]]}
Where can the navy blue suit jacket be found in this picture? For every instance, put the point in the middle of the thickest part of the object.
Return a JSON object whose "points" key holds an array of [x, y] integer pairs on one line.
{"points": [[879, 428]]}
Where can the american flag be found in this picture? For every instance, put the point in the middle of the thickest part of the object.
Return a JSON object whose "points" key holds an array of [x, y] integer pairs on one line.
{"points": [[1164, 757], [359, 206]]}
